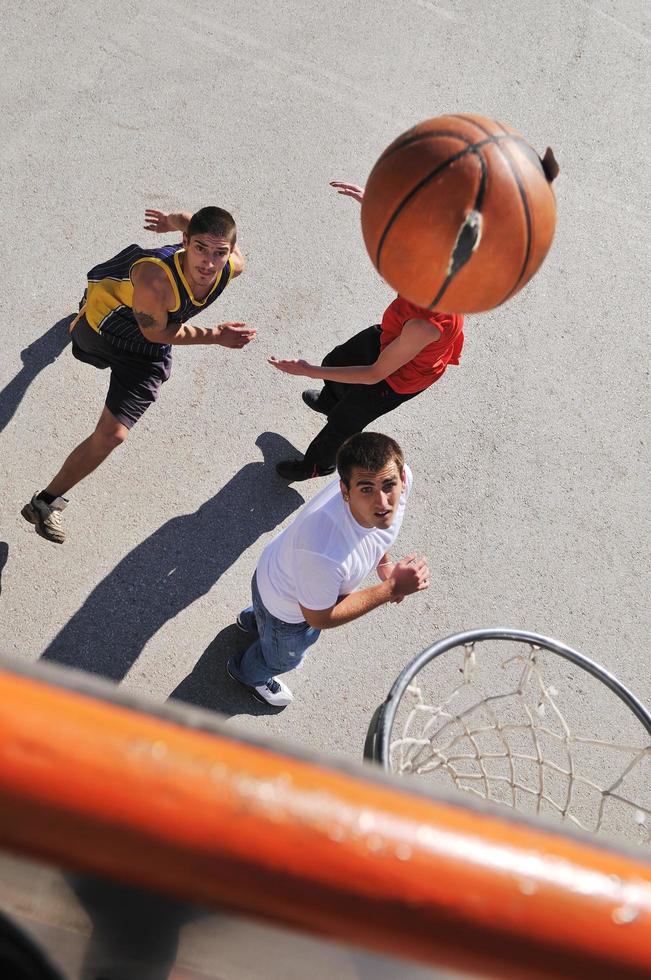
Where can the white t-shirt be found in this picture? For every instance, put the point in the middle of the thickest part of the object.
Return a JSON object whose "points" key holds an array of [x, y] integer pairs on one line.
{"points": [[323, 554]]}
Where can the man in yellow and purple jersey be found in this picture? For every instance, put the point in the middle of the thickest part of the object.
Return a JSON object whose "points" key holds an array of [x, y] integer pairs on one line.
{"points": [[134, 311]]}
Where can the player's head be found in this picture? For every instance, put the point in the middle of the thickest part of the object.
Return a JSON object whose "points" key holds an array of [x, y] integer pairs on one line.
{"points": [[208, 241], [213, 221], [371, 470]]}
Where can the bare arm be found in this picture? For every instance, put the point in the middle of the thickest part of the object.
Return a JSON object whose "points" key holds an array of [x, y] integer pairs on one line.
{"points": [[384, 567], [407, 576], [348, 190], [162, 223], [152, 300], [238, 262], [415, 335]]}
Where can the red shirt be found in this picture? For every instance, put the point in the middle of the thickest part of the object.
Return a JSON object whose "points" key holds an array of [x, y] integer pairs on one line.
{"points": [[430, 363]]}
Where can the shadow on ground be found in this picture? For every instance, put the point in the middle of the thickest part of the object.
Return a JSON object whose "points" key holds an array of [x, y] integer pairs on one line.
{"points": [[209, 686], [4, 555], [173, 568], [43, 351]]}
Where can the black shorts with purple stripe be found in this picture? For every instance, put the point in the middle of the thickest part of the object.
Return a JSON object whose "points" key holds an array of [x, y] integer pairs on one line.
{"points": [[135, 379]]}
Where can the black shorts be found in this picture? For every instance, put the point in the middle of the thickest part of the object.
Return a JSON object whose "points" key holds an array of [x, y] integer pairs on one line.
{"points": [[135, 380]]}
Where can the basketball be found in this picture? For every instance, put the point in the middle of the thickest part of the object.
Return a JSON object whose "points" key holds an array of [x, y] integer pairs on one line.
{"points": [[459, 213]]}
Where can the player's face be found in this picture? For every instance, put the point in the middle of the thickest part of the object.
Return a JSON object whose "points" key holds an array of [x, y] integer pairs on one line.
{"points": [[205, 257], [374, 496]]}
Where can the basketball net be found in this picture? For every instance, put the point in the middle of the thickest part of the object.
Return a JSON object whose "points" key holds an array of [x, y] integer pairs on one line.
{"points": [[517, 748]]}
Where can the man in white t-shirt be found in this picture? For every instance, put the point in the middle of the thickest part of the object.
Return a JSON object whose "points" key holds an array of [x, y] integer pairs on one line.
{"points": [[307, 577]]}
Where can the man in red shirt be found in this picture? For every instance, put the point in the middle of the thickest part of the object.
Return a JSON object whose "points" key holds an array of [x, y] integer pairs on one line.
{"points": [[372, 373]]}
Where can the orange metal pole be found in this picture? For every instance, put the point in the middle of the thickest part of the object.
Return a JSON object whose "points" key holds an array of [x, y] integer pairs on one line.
{"points": [[101, 788]]}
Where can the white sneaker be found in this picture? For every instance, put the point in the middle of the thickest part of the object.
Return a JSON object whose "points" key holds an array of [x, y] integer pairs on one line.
{"points": [[46, 518], [273, 692]]}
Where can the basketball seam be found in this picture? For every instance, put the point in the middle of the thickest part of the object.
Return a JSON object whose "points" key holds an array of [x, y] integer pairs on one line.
{"points": [[417, 139], [444, 132], [471, 121], [470, 148], [495, 137], [412, 193], [479, 200], [523, 197]]}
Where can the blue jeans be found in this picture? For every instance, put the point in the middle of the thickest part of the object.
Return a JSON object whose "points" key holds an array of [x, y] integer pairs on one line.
{"points": [[279, 646]]}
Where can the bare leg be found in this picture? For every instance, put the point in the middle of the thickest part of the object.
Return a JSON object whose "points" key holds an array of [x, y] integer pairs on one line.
{"points": [[88, 455]]}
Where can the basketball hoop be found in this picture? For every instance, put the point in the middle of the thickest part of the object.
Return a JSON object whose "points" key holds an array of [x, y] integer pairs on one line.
{"points": [[511, 717]]}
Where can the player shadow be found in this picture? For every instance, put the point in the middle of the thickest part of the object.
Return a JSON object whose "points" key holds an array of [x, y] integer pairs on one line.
{"points": [[175, 566], [135, 933], [4, 555], [209, 686], [41, 352]]}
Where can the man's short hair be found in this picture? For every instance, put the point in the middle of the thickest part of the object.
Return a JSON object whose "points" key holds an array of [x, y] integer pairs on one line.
{"points": [[368, 451], [213, 221]]}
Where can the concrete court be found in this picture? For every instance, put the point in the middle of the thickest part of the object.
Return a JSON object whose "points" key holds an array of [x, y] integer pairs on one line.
{"points": [[529, 458]]}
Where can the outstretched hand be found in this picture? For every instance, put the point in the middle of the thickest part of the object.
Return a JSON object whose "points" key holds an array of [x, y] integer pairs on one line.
{"points": [[348, 190], [297, 367], [158, 221], [235, 335]]}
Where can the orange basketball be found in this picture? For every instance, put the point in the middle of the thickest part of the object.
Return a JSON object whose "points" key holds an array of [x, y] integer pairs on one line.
{"points": [[459, 213]]}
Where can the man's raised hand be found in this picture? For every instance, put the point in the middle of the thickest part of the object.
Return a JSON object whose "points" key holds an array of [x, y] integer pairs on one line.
{"points": [[235, 335], [158, 221], [348, 190]]}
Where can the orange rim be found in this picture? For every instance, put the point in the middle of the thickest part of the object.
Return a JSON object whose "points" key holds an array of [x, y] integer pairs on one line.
{"points": [[98, 787]]}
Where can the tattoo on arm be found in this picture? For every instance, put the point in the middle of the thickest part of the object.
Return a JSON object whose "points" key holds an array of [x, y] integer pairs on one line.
{"points": [[144, 320]]}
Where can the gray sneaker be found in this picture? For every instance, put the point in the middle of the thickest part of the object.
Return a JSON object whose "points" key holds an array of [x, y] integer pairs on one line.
{"points": [[46, 518]]}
